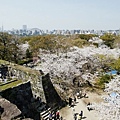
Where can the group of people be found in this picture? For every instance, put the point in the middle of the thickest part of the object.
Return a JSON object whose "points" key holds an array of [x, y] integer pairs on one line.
{"points": [[78, 95], [78, 116], [81, 94], [55, 116], [72, 101], [88, 106]]}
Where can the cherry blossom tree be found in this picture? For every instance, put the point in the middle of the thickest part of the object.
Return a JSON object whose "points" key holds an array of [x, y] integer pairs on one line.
{"points": [[66, 68], [109, 109]]}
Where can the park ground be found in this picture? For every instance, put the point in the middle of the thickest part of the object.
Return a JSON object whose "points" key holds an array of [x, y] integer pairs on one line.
{"points": [[81, 104]]}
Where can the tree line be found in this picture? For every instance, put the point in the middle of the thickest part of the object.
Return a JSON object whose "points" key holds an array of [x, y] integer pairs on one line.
{"points": [[10, 50]]}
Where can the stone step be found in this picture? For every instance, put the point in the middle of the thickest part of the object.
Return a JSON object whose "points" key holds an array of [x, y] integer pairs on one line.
{"points": [[45, 114], [42, 113]]}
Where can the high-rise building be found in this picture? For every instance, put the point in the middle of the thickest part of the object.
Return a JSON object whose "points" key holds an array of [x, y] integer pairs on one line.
{"points": [[24, 27]]}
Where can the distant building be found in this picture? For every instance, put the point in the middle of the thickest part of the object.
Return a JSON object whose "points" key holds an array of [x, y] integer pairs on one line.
{"points": [[24, 27], [36, 31]]}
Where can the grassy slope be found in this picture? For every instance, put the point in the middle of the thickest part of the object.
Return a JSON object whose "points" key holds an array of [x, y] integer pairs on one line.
{"points": [[19, 67], [10, 85]]}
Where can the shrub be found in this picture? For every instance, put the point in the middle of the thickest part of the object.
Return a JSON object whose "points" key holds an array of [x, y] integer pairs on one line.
{"points": [[100, 83]]}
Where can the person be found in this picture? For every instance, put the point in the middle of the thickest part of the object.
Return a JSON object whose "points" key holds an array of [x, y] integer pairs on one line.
{"points": [[88, 106], [50, 116], [81, 114], [74, 99], [57, 115], [70, 101], [54, 116], [78, 84], [75, 116], [85, 95], [78, 94]]}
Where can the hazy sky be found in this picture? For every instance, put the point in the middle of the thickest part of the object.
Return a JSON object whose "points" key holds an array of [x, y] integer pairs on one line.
{"points": [[60, 14]]}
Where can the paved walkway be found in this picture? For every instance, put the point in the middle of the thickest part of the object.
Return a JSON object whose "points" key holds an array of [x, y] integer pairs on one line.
{"points": [[68, 112]]}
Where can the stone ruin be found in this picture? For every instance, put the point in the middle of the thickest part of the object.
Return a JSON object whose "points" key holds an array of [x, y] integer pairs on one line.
{"points": [[8, 73], [30, 97]]}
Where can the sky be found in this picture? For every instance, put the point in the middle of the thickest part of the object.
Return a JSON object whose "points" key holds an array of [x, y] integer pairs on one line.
{"points": [[60, 14]]}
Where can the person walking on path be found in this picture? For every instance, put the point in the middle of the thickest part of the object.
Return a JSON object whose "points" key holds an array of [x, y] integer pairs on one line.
{"points": [[70, 101], [75, 116], [81, 114]]}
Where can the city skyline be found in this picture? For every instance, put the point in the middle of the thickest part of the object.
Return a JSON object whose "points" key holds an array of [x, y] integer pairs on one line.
{"points": [[60, 14]]}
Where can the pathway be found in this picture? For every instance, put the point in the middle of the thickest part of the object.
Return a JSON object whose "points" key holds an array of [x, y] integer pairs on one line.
{"points": [[68, 112]]}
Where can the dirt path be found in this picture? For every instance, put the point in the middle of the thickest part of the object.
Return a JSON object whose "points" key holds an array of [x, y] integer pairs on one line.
{"points": [[68, 112]]}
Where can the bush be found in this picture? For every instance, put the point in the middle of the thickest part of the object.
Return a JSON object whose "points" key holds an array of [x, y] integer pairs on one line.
{"points": [[80, 43], [25, 61], [100, 83], [115, 65], [87, 36]]}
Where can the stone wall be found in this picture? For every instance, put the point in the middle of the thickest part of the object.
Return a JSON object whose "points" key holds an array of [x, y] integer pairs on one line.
{"points": [[51, 95], [35, 94], [22, 97], [9, 73]]}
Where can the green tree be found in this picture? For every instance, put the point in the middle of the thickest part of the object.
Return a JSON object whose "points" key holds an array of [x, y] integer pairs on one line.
{"points": [[9, 49], [80, 43], [87, 36], [108, 39], [117, 41], [115, 64], [28, 54]]}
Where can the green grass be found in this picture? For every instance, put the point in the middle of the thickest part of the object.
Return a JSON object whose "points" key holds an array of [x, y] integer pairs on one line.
{"points": [[4, 62], [10, 85], [26, 70]]}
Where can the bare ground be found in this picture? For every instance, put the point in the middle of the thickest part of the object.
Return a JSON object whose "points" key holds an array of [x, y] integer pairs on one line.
{"points": [[68, 112]]}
